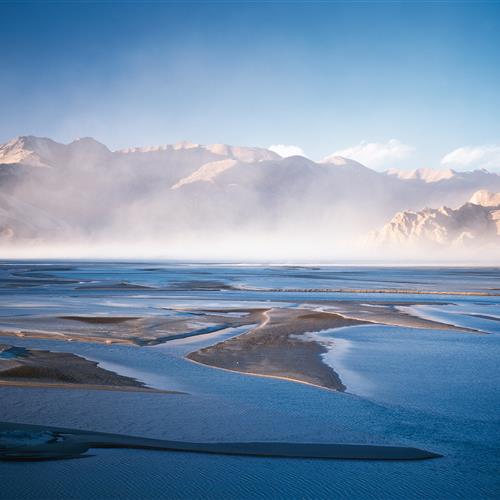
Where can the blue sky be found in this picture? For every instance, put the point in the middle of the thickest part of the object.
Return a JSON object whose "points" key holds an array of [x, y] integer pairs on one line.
{"points": [[323, 76]]}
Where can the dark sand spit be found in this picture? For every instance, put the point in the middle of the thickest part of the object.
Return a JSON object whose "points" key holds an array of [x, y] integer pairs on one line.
{"points": [[100, 320], [485, 316], [199, 285], [397, 291], [178, 286], [277, 348], [387, 313], [33, 442], [82, 387], [35, 368]]}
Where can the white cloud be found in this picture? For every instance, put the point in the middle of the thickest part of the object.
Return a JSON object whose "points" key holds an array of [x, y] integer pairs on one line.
{"points": [[487, 156], [376, 154], [285, 150]]}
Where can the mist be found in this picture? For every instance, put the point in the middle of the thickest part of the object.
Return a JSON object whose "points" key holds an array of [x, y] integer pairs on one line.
{"points": [[221, 203]]}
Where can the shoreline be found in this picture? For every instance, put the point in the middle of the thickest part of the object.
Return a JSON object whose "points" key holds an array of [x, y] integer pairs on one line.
{"points": [[260, 375], [92, 387], [25, 367], [388, 314], [277, 349]]}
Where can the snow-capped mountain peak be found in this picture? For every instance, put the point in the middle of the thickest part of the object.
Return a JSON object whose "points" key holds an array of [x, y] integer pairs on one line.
{"points": [[34, 151], [26, 150]]}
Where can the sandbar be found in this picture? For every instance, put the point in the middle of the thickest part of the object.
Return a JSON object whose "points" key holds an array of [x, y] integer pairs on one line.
{"points": [[277, 348], [37, 368], [21, 442]]}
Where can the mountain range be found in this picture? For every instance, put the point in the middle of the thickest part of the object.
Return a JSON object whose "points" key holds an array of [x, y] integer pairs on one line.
{"points": [[476, 222], [51, 193]]}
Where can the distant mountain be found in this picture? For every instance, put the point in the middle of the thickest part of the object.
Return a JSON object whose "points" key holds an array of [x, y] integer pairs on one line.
{"points": [[56, 192], [422, 174], [30, 151], [245, 154], [166, 164], [475, 223], [485, 198], [429, 175], [21, 221], [24, 151]]}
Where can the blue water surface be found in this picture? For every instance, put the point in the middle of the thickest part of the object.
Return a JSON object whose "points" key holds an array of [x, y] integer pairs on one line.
{"points": [[432, 389]]}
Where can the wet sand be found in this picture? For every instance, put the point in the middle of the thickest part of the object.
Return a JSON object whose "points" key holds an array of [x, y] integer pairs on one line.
{"points": [[91, 387], [141, 331], [36, 368], [277, 348], [182, 323], [61, 335], [20, 442]]}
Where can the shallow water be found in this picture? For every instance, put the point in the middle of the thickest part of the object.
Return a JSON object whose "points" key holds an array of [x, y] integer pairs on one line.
{"points": [[432, 389]]}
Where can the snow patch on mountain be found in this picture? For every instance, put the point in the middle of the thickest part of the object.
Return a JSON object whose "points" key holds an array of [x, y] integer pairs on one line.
{"points": [[207, 172], [24, 150]]}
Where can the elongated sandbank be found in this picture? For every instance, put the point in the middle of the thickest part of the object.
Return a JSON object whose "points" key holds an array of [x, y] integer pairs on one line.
{"points": [[136, 330], [386, 313], [36, 368], [397, 291], [34, 442], [277, 348]]}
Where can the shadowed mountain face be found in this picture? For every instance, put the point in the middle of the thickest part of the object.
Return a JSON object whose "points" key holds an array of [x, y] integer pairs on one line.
{"points": [[188, 195]]}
